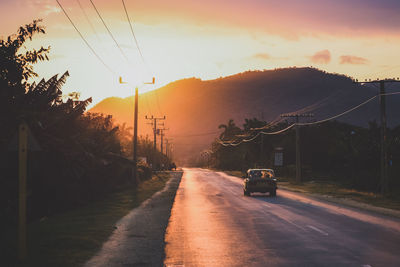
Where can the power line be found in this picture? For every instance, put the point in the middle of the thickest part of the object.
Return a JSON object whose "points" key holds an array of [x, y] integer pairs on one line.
{"points": [[298, 153], [308, 108], [394, 93], [138, 47], [280, 131], [254, 137], [133, 33], [88, 20], [304, 123], [322, 102], [109, 32], [83, 38], [341, 114], [382, 108]]}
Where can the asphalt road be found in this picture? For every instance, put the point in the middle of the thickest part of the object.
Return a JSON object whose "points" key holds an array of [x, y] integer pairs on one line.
{"points": [[213, 224]]}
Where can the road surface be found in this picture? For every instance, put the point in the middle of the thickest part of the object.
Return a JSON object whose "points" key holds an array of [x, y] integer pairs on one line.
{"points": [[213, 224]]}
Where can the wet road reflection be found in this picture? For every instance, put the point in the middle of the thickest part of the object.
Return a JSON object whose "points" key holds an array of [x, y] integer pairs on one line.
{"points": [[213, 224]]}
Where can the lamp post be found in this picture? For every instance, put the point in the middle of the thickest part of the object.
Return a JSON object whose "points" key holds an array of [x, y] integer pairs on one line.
{"points": [[135, 127]]}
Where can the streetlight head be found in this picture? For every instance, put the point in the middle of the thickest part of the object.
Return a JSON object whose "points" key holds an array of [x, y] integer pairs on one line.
{"points": [[120, 80], [153, 81]]}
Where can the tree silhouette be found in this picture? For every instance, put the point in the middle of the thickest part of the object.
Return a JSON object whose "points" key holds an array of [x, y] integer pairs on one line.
{"points": [[253, 123], [82, 157], [230, 130], [16, 67]]}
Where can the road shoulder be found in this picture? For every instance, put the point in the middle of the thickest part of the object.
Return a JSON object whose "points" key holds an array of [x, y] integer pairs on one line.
{"points": [[347, 202], [138, 239]]}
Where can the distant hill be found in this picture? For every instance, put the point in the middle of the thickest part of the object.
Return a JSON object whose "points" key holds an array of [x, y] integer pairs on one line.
{"points": [[194, 108]]}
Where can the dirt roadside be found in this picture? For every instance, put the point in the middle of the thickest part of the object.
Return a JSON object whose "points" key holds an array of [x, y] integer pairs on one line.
{"points": [[347, 202], [138, 239]]}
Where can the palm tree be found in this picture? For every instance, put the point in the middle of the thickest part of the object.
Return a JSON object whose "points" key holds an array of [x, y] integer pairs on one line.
{"points": [[230, 130], [253, 123]]}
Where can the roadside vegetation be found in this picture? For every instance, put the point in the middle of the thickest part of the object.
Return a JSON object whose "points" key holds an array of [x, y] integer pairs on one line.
{"points": [[331, 189], [72, 237], [84, 158], [332, 152]]}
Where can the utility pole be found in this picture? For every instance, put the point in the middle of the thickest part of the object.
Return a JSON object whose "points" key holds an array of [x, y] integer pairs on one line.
{"points": [[298, 154], [262, 142], [382, 105], [167, 146], [135, 128], [22, 173], [162, 134], [262, 149], [154, 123]]}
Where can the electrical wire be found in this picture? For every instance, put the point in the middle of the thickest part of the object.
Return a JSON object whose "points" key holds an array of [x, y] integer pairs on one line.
{"points": [[254, 137], [109, 32], [338, 115], [140, 51], [88, 20], [394, 93], [305, 123], [84, 40], [280, 131], [133, 33]]}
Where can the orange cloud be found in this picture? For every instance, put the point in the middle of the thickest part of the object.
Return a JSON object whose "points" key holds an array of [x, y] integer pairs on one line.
{"points": [[353, 60], [321, 57], [262, 56]]}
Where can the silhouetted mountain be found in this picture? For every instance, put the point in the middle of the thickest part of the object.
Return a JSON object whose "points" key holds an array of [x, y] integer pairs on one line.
{"points": [[194, 108]]}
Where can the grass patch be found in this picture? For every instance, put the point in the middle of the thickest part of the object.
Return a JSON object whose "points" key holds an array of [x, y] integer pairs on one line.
{"points": [[71, 238], [391, 201]]}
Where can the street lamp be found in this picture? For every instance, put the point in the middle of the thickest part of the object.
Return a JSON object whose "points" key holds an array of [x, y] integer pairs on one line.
{"points": [[135, 127]]}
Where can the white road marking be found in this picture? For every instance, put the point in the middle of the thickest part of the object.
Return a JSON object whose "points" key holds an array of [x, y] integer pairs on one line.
{"points": [[366, 265], [294, 224], [318, 230]]}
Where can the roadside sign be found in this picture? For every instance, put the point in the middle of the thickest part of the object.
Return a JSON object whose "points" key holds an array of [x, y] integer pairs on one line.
{"points": [[142, 160], [278, 159]]}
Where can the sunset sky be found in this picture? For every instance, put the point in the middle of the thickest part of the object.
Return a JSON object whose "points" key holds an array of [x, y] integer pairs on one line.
{"points": [[209, 39]]}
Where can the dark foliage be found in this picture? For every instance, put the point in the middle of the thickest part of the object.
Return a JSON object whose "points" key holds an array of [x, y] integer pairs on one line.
{"points": [[82, 155], [332, 150]]}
